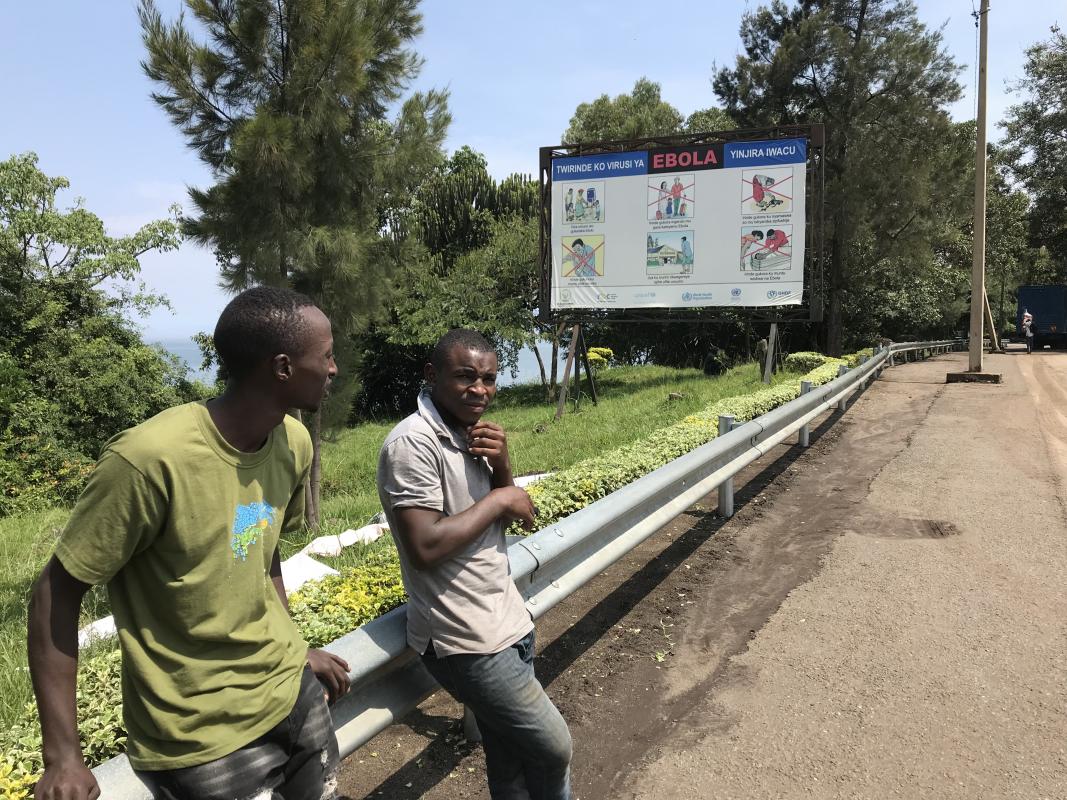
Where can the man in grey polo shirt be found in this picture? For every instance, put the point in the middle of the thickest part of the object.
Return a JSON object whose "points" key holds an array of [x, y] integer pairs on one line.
{"points": [[444, 479]]}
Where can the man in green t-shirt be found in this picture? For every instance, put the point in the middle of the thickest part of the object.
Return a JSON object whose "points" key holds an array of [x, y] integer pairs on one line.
{"points": [[181, 520]]}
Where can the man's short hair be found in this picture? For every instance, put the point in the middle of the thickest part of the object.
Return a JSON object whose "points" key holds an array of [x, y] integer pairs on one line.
{"points": [[459, 337], [259, 324]]}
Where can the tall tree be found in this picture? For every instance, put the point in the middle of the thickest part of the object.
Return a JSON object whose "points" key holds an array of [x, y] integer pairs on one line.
{"points": [[880, 81], [286, 101], [73, 369], [642, 112], [479, 265], [1036, 144]]}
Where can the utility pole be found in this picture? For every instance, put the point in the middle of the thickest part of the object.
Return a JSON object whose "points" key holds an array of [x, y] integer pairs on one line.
{"points": [[978, 266]]}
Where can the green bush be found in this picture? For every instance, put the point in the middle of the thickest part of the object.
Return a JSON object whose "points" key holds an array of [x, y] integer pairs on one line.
{"points": [[37, 467], [327, 609], [804, 361], [852, 359], [99, 698], [572, 489]]}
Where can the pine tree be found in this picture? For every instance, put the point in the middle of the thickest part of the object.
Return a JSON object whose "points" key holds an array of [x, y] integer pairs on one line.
{"points": [[880, 81], [286, 101]]}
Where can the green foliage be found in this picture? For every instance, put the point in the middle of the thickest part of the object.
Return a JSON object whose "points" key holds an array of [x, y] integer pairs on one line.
{"points": [[881, 82], [492, 289], [709, 120], [327, 609], [804, 361], [73, 370], [286, 131], [100, 730], [629, 116], [1036, 144], [574, 488], [483, 270]]}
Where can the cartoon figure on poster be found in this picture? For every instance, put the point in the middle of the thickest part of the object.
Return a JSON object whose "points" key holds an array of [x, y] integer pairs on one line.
{"points": [[766, 190], [582, 256], [766, 248], [584, 203], [669, 253], [671, 196]]}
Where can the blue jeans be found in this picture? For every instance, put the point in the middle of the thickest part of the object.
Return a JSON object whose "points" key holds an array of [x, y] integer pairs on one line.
{"points": [[527, 742]]}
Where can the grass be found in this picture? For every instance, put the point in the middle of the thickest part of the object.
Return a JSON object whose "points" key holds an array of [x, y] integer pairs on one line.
{"points": [[26, 543], [633, 402]]}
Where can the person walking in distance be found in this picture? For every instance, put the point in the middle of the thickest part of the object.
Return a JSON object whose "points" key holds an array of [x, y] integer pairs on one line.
{"points": [[444, 479], [1028, 331], [181, 519]]}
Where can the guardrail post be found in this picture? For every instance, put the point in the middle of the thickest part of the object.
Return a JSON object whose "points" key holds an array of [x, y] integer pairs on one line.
{"points": [[802, 440], [726, 488], [843, 402]]}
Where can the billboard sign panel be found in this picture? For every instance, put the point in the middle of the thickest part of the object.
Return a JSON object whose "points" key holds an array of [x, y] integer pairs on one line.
{"points": [[720, 224]]}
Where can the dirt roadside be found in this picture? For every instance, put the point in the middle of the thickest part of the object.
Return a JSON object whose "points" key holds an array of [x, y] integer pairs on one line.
{"points": [[648, 662]]}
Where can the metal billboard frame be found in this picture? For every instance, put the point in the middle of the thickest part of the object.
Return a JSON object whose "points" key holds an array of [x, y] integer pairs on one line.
{"points": [[809, 311]]}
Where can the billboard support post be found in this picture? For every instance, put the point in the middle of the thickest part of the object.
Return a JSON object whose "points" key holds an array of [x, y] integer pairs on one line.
{"points": [[563, 384], [772, 346], [588, 369]]}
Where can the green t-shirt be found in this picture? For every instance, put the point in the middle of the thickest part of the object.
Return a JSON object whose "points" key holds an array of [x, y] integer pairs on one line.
{"points": [[182, 527]]}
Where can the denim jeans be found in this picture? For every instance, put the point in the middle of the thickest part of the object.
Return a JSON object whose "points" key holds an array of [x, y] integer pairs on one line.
{"points": [[294, 760], [527, 742]]}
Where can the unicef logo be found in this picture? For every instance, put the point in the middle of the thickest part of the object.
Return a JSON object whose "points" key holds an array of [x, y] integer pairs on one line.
{"points": [[772, 294], [687, 296], [735, 292]]}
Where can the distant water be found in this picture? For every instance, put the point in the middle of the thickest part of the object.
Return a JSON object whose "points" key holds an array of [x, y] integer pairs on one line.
{"points": [[527, 372], [187, 351]]}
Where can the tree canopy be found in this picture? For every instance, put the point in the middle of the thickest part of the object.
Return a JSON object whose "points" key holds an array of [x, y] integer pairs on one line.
{"points": [[287, 102], [881, 82], [73, 369], [1036, 144]]}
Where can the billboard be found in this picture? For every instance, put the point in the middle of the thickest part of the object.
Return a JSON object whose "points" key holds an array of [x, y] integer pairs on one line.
{"points": [[719, 224]]}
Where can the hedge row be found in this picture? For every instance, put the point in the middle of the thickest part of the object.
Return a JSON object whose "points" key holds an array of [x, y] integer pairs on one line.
{"points": [[326, 610], [571, 489]]}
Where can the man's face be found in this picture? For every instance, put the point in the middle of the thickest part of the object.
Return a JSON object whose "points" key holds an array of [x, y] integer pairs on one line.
{"points": [[312, 371], [464, 386]]}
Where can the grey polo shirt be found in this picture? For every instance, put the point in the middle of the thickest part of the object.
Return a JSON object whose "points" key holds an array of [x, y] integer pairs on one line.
{"points": [[467, 603]]}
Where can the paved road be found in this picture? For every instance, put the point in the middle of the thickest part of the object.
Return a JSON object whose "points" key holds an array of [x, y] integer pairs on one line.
{"points": [[927, 657]]}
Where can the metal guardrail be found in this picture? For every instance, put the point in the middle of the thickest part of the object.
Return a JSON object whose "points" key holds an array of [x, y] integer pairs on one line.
{"points": [[388, 680]]}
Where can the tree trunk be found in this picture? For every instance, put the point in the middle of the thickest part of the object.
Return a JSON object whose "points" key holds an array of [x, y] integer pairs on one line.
{"points": [[834, 317], [551, 394], [540, 365], [312, 493]]}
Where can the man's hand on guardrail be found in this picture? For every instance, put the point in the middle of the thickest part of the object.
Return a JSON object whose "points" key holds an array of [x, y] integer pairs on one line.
{"points": [[517, 505], [332, 672], [70, 781]]}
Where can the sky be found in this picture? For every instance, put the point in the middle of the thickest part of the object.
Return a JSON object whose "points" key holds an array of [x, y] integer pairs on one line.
{"points": [[74, 93]]}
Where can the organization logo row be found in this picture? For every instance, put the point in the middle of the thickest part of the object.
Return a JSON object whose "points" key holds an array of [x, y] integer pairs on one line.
{"points": [[590, 298]]}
